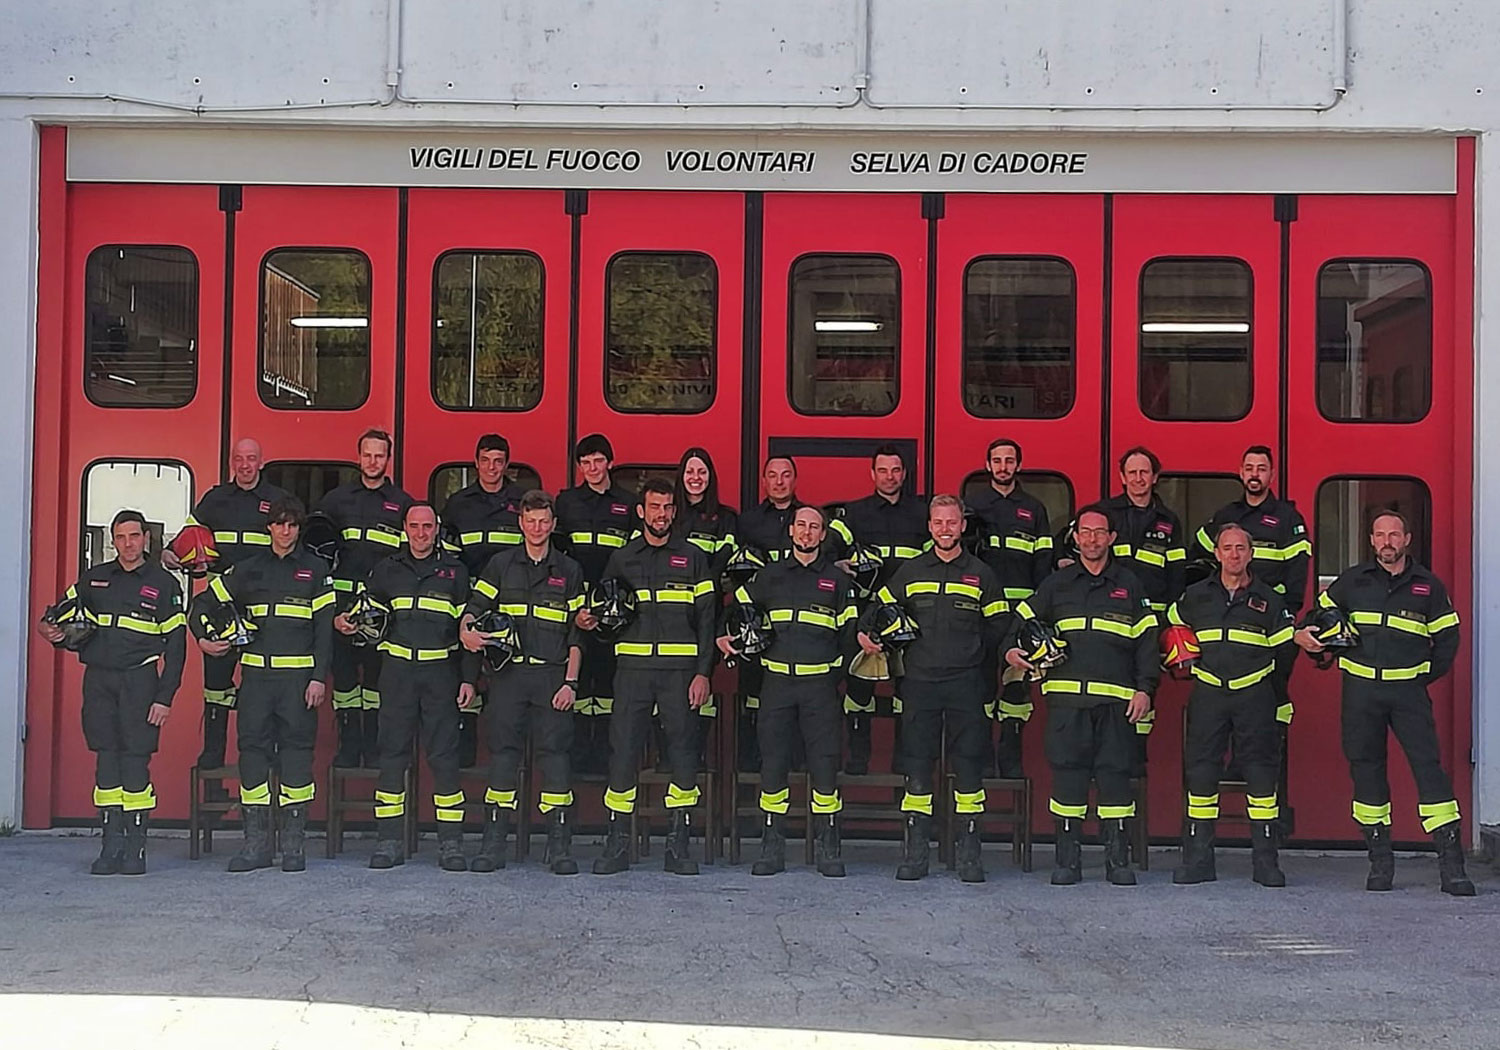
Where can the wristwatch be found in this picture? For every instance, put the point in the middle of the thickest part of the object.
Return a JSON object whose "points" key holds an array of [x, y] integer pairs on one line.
{"points": [[571, 683]]}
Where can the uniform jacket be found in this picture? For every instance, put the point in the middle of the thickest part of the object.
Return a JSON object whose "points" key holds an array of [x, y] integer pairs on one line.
{"points": [[959, 609], [1150, 542], [477, 524], [237, 518], [370, 527], [137, 617], [1408, 629], [291, 601], [813, 613], [1110, 629], [542, 597], [426, 598], [676, 605], [1279, 544], [713, 535], [1013, 536], [1243, 638], [897, 531], [767, 528], [591, 526]]}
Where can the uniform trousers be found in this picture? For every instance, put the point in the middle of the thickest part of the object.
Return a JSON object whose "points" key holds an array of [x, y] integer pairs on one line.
{"points": [[805, 708], [1370, 711], [640, 689], [1215, 716], [115, 706], [275, 721], [1090, 743], [928, 709], [420, 694], [521, 700]]}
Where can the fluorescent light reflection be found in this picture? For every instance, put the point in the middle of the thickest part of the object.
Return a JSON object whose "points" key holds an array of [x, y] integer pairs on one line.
{"points": [[847, 326], [330, 322], [1196, 327]]}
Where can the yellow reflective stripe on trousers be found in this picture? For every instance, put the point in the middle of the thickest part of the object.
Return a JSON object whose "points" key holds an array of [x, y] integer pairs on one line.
{"points": [[1364, 813], [297, 796], [1262, 807], [1203, 807], [276, 663], [777, 667], [138, 801], [449, 808], [551, 800], [504, 798], [1434, 814], [620, 801], [1021, 712], [776, 801], [967, 802], [1109, 689], [390, 803], [680, 798], [255, 794], [1062, 809], [916, 803], [1116, 812], [822, 803]]}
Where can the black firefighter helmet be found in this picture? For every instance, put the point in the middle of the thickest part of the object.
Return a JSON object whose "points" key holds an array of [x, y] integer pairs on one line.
{"points": [[1043, 646], [321, 536], [749, 628], [502, 642], [69, 616], [864, 564], [612, 602], [371, 620], [742, 566], [222, 622], [1332, 628]]}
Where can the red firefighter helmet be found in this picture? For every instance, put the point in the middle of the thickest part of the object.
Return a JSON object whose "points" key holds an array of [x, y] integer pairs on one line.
{"points": [[1179, 650], [195, 549]]}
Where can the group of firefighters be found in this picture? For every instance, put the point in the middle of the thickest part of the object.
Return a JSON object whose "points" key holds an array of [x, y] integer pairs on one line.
{"points": [[580, 622]]}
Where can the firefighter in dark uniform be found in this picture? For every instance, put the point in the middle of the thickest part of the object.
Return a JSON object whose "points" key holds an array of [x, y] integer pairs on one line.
{"points": [[367, 513], [595, 519], [287, 593], [1408, 637], [132, 668], [894, 523], [708, 525], [541, 589], [664, 656], [764, 527], [810, 603], [480, 521], [1094, 699], [425, 588], [235, 512], [1010, 531], [957, 602], [1243, 631]]}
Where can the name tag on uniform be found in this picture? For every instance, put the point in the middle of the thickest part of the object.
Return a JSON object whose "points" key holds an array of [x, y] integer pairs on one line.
{"points": [[556, 581], [265, 506], [98, 583], [150, 592], [1023, 513], [1258, 604], [973, 581], [1269, 519], [1420, 588], [446, 574], [827, 585], [1119, 592], [302, 574], [678, 561], [618, 508], [393, 507], [1163, 527]]}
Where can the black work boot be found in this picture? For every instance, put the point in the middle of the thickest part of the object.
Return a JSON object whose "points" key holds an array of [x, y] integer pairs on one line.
{"points": [[255, 852], [133, 860], [559, 855], [1008, 749], [468, 739], [294, 838], [967, 852], [491, 855], [1067, 869], [676, 858], [1382, 857], [369, 748], [772, 846], [860, 732], [829, 848], [914, 847], [390, 843], [1197, 855], [351, 738], [1117, 867], [112, 849], [1264, 868], [451, 848], [1455, 880], [616, 856]]}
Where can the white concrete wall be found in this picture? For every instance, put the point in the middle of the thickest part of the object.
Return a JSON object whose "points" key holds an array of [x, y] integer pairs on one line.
{"points": [[1087, 64]]}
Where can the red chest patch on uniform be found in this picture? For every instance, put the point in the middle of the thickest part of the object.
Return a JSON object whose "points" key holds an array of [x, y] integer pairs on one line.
{"points": [[1269, 519], [618, 508], [1023, 513], [1164, 527], [393, 507], [446, 574], [678, 561], [265, 506], [1119, 592], [152, 592], [973, 580], [1258, 604], [556, 581], [302, 574], [1420, 588], [827, 585]]}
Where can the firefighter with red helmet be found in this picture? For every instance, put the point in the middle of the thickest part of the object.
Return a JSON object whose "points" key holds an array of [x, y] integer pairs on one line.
{"points": [[227, 525], [542, 591], [1243, 634], [367, 512], [1407, 638], [132, 660]]}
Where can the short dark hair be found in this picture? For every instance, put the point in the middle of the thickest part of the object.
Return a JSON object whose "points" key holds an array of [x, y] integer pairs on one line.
{"points": [[660, 485], [593, 444], [1140, 450], [125, 517], [418, 504], [375, 434], [1001, 441], [1258, 450], [1390, 512], [536, 499], [491, 443], [779, 455], [1094, 508], [286, 510], [887, 449]]}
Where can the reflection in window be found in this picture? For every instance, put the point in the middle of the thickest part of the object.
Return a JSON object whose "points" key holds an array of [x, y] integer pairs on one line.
{"points": [[447, 480], [309, 481], [315, 329], [1346, 510], [1196, 498], [632, 476], [487, 330], [845, 335], [661, 340], [1374, 340], [1019, 321], [1053, 490], [141, 336], [162, 492], [1195, 339]]}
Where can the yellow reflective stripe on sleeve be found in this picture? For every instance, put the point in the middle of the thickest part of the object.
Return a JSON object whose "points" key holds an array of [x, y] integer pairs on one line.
{"points": [[837, 525], [703, 587], [1017, 594], [1144, 624], [1204, 540], [1177, 554], [1043, 543], [486, 588], [257, 610], [215, 586], [171, 623], [850, 613], [782, 615], [1442, 623], [1023, 610], [886, 596], [1281, 637], [347, 586], [323, 601], [996, 608]]}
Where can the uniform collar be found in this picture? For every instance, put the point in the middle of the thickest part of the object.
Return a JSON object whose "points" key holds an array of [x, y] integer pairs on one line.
{"points": [[819, 564], [771, 508], [1411, 571]]}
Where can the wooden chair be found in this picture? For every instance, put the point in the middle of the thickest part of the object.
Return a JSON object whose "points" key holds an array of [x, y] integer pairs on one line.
{"points": [[198, 805], [339, 803], [1017, 817]]}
